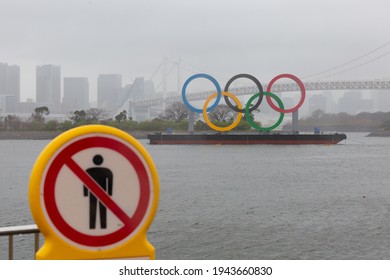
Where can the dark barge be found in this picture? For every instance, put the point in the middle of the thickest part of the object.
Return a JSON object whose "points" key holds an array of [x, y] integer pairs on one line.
{"points": [[273, 138]]}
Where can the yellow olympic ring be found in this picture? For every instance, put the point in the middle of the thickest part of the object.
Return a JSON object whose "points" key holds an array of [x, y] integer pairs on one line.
{"points": [[220, 128]]}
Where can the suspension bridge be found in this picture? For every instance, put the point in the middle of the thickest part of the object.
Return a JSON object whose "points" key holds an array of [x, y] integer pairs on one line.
{"points": [[145, 106]]}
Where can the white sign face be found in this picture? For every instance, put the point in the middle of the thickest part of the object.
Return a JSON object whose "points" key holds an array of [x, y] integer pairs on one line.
{"points": [[124, 191], [97, 192]]}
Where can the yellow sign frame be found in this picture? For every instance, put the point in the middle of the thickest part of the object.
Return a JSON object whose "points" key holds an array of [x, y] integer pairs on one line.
{"points": [[55, 246]]}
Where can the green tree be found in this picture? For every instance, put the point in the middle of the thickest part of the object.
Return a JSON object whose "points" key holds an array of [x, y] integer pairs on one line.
{"points": [[52, 125], [94, 115], [12, 122], [244, 125], [37, 120], [78, 116], [251, 114], [222, 113], [176, 112], [200, 126], [39, 113], [121, 117], [317, 113], [66, 125]]}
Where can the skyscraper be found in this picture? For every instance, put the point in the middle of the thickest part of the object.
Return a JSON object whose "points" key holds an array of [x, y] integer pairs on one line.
{"points": [[317, 102], [352, 103], [76, 94], [9, 87], [108, 90], [48, 87]]}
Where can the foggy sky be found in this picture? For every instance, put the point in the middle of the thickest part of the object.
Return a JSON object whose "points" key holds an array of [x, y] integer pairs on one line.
{"points": [[131, 37]]}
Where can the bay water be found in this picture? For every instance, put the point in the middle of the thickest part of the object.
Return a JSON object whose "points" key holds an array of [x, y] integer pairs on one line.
{"points": [[245, 202]]}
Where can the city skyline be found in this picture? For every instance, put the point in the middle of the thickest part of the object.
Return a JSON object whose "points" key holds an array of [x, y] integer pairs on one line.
{"points": [[65, 94], [9, 86], [48, 87], [76, 94], [92, 37]]}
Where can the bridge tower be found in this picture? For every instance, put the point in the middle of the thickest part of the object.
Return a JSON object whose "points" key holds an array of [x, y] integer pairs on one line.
{"points": [[164, 82]]}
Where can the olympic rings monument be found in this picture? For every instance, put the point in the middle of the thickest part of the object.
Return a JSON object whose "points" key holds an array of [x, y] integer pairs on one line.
{"points": [[259, 134]]}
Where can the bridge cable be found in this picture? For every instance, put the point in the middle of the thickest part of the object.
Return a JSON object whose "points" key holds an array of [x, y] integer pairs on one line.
{"points": [[155, 71], [348, 62], [170, 70], [356, 66]]}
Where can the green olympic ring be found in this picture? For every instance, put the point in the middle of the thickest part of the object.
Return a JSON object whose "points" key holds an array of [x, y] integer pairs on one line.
{"points": [[252, 123]]}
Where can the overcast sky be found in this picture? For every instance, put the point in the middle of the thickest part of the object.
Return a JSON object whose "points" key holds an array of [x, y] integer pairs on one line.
{"points": [[131, 37]]}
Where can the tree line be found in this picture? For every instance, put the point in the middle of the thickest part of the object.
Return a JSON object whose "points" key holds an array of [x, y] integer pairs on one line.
{"points": [[374, 120], [175, 117]]}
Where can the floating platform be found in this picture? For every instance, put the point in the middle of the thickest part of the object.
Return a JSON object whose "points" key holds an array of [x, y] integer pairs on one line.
{"points": [[273, 138]]}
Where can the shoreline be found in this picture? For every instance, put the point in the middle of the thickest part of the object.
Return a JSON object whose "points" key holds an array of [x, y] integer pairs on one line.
{"points": [[379, 133], [49, 135]]}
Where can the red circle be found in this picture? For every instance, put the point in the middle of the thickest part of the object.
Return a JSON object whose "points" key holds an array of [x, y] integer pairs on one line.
{"points": [[301, 86], [50, 184]]}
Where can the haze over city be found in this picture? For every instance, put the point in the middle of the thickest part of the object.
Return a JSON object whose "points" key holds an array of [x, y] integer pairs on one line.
{"points": [[312, 39]]}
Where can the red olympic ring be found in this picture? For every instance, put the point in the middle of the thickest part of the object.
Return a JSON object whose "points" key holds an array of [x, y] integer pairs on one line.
{"points": [[301, 86]]}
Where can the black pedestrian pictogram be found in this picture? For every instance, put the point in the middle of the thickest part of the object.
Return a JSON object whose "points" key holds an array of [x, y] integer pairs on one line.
{"points": [[104, 178]]}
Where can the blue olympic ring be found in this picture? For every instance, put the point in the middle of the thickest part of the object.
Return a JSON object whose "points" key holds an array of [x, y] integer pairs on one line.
{"points": [[208, 77]]}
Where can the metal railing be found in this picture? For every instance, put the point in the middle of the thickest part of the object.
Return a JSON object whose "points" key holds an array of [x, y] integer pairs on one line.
{"points": [[18, 230]]}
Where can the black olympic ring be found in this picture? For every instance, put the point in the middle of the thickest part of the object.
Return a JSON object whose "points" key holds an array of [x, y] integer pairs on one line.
{"points": [[259, 86]]}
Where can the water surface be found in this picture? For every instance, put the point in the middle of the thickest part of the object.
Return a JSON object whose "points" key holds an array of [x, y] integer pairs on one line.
{"points": [[246, 202]]}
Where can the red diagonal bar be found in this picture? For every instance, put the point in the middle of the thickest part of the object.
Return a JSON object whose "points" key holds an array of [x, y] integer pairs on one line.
{"points": [[98, 191]]}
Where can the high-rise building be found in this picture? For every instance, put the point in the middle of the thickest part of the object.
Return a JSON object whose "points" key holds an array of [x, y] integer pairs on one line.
{"points": [[317, 102], [382, 100], [76, 94], [9, 87], [48, 87], [108, 89], [352, 103]]}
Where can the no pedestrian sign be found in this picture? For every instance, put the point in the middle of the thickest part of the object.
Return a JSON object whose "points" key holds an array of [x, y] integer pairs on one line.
{"points": [[93, 193]]}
